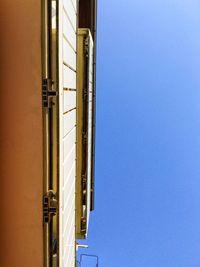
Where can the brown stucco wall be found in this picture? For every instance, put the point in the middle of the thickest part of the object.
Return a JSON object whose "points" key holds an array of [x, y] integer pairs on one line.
{"points": [[20, 134]]}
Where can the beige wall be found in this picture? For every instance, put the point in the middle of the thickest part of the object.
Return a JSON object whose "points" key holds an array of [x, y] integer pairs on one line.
{"points": [[20, 134]]}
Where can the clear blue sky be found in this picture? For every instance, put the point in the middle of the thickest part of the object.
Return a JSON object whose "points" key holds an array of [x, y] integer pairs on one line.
{"points": [[147, 207]]}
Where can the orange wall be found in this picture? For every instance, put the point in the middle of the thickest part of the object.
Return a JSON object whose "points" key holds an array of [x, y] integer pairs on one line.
{"points": [[20, 134]]}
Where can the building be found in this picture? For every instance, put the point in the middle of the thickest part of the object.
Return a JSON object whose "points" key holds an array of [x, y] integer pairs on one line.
{"points": [[47, 135]]}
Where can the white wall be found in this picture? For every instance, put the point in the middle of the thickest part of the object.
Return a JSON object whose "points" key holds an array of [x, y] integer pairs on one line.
{"points": [[67, 96]]}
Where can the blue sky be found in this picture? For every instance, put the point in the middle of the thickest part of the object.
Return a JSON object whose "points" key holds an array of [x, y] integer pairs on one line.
{"points": [[147, 206]]}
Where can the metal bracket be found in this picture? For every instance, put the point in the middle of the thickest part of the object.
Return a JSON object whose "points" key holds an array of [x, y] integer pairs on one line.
{"points": [[50, 206], [84, 137], [85, 94], [86, 44], [84, 179], [48, 93], [83, 224]]}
